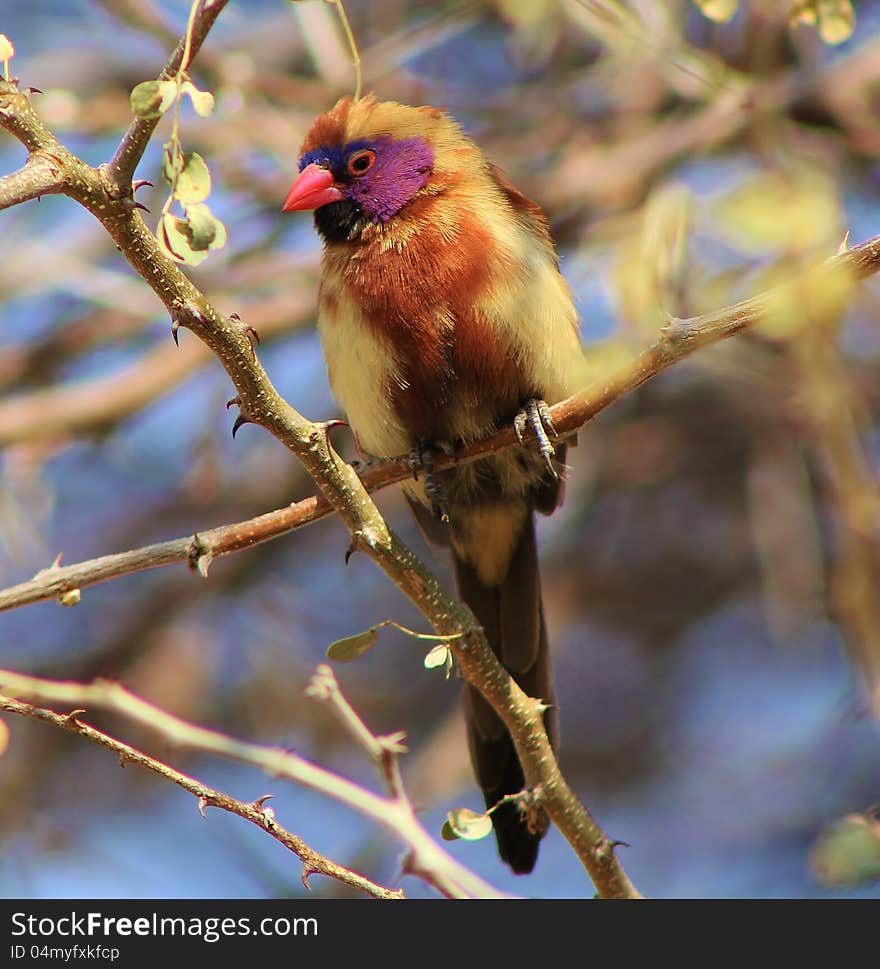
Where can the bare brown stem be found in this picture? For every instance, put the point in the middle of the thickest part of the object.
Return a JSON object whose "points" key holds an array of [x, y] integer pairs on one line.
{"points": [[394, 813], [38, 177], [255, 812]]}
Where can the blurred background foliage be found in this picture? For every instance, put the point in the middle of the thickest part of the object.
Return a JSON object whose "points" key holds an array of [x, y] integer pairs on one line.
{"points": [[712, 579]]}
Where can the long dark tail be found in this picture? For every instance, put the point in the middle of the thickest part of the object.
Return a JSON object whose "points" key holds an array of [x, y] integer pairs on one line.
{"points": [[512, 616]]}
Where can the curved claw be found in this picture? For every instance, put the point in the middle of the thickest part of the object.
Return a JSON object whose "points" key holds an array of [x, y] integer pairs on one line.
{"points": [[415, 460], [421, 457], [535, 414]]}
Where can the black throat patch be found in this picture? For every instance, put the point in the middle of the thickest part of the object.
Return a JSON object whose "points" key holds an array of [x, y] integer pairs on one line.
{"points": [[340, 221]]}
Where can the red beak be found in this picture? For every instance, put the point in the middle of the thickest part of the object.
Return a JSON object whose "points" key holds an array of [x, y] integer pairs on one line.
{"points": [[314, 188]]}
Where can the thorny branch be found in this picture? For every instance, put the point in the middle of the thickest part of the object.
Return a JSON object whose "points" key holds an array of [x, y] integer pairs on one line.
{"points": [[256, 811], [395, 812], [680, 339]]}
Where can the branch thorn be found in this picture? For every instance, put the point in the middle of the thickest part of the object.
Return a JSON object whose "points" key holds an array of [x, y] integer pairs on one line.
{"points": [[240, 421], [307, 873]]}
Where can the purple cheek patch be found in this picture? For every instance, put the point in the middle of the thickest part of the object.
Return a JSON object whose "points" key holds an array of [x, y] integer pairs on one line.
{"points": [[400, 170]]}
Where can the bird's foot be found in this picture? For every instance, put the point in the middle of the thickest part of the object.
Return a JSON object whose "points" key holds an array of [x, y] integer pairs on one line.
{"points": [[421, 458], [535, 414], [364, 460], [366, 463]]}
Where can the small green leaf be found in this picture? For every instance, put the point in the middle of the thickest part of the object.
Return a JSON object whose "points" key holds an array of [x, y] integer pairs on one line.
{"points": [[837, 23], [834, 19], [718, 10], [174, 240], [795, 210], [447, 833], [466, 824], [151, 99], [848, 852], [202, 228], [188, 240], [193, 179], [439, 656], [350, 648], [203, 101]]}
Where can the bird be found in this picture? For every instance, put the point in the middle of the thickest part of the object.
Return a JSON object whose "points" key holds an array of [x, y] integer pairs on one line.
{"points": [[443, 316]]}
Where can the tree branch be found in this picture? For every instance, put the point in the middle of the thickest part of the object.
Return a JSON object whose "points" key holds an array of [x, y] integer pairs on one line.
{"points": [[255, 812], [394, 813], [680, 339], [38, 177]]}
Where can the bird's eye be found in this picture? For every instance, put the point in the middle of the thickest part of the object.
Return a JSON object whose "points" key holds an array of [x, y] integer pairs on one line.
{"points": [[361, 161]]}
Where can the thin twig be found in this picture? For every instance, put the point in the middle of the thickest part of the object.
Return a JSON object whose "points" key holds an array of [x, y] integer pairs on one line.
{"points": [[120, 169], [393, 814], [383, 751], [38, 177], [255, 812]]}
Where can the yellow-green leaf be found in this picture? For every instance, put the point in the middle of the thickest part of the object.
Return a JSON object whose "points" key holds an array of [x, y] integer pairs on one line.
{"points": [[173, 239], [718, 10], [439, 656], [836, 25], [834, 19], [848, 852], [447, 833], [188, 240], [466, 824], [805, 300], [193, 180], [529, 14], [203, 101], [352, 647], [151, 99], [205, 230], [70, 598], [792, 211], [201, 227]]}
